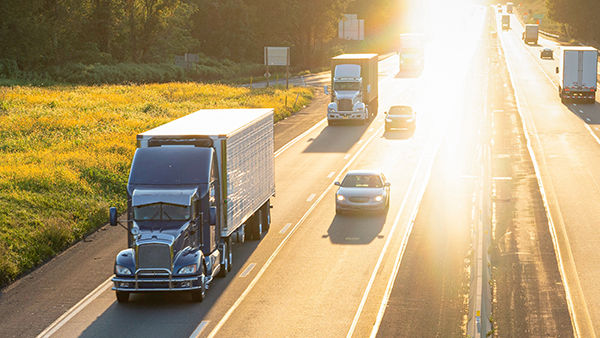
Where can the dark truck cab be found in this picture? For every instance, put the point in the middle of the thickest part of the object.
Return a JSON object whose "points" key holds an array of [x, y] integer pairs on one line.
{"points": [[183, 203]]}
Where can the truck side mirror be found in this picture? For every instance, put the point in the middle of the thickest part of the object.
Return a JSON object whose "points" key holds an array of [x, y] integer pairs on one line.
{"points": [[556, 70], [326, 88], [212, 217], [112, 215], [337, 183]]}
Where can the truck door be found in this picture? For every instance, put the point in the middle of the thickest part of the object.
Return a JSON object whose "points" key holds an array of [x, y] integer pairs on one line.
{"points": [[589, 68], [571, 71]]}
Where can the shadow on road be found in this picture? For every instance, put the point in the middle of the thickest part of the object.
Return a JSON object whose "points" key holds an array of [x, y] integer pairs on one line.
{"points": [[588, 113], [400, 134], [145, 313], [337, 139], [356, 228]]}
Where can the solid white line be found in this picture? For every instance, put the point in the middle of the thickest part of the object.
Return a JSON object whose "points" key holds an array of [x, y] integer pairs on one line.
{"points": [[285, 228], [311, 197], [75, 309], [284, 241], [298, 138], [551, 226], [199, 329], [363, 301], [248, 269], [331, 174]]}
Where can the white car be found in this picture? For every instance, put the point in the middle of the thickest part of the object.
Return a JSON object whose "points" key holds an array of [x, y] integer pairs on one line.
{"points": [[363, 190]]}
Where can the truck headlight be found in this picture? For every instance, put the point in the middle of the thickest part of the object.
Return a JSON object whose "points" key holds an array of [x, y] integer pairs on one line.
{"points": [[330, 110], [378, 198], [187, 269], [121, 270], [340, 198], [360, 108]]}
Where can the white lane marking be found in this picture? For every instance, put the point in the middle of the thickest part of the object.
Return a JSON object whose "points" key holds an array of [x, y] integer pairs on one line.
{"points": [[75, 309], [285, 228], [284, 241], [248, 269], [551, 226], [359, 142], [391, 234], [199, 329], [331, 174], [311, 197], [347, 156], [298, 138]]}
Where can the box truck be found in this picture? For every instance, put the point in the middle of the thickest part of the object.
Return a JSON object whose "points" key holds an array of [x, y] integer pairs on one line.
{"points": [[530, 34], [196, 185], [505, 22], [577, 73], [509, 7], [354, 90]]}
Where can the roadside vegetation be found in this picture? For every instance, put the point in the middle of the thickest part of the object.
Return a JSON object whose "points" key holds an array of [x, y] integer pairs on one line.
{"points": [[65, 153], [528, 8]]}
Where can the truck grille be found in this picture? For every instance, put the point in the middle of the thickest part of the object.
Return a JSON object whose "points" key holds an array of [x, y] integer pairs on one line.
{"points": [[154, 256], [345, 105]]}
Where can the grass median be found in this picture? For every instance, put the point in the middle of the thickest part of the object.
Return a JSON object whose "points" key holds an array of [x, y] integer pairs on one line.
{"points": [[65, 153]]}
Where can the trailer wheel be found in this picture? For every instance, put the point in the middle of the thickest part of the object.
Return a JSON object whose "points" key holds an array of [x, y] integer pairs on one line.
{"points": [[227, 256], [266, 212], [122, 296], [254, 226]]}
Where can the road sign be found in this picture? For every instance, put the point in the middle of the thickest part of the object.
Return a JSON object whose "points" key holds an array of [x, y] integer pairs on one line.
{"points": [[267, 75], [277, 56], [351, 28]]}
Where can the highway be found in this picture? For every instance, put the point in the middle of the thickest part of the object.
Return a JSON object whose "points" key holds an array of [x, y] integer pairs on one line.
{"points": [[421, 269], [564, 141]]}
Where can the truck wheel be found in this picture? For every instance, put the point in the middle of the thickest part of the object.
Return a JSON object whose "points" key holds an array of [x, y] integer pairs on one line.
{"points": [[122, 297], [254, 227], [198, 295]]}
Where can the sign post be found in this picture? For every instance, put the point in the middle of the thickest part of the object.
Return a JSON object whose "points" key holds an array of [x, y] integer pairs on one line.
{"points": [[278, 56]]}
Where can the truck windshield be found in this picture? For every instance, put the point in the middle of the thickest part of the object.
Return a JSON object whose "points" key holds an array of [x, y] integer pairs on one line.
{"points": [[161, 212], [346, 86]]}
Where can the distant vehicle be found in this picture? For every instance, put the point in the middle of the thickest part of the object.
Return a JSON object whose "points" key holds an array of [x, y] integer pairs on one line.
{"points": [[363, 190], [530, 34], [196, 184], [505, 22], [546, 53], [411, 52], [577, 72], [499, 9], [509, 7], [400, 117], [354, 92]]}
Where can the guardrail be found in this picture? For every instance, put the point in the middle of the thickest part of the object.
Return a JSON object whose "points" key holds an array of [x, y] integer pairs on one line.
{"points": [[555, 36]]}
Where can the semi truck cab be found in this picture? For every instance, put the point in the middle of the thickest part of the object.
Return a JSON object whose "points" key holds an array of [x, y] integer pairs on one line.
{"points": [[347, 93]]}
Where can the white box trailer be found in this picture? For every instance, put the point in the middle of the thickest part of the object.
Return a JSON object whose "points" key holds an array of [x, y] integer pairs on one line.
{"points": [[577, 72]]}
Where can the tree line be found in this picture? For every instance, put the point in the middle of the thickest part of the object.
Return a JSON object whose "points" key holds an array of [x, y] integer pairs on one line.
{"points": [[35, 34], [578, 18]]}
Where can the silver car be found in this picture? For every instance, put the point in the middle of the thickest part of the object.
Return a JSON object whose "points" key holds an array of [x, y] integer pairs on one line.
{"points": [[363, 190]]}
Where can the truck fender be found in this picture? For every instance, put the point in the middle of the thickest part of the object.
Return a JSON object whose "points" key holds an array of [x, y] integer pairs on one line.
{"points": [[360, 106], [332, 106], [126, 258], [188, 257]]}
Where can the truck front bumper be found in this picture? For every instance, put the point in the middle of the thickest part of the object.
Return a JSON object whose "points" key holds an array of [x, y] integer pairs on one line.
{"points": [[350, 115], [137, 284]]}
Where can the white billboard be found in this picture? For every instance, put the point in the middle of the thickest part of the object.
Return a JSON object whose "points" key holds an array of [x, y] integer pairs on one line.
{"points": [[277, 56]]}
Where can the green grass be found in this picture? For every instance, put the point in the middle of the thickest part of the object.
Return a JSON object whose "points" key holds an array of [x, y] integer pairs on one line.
{"points": [[65, 153]]}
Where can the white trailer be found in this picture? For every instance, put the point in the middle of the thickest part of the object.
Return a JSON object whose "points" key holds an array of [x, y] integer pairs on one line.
{"points": [[577, 72]]}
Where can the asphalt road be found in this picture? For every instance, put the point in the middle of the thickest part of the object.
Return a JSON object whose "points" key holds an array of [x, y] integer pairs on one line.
{"points": [[566, 148]]}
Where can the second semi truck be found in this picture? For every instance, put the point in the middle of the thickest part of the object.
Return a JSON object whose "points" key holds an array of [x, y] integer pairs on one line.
{"points": [[354, 91]]}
